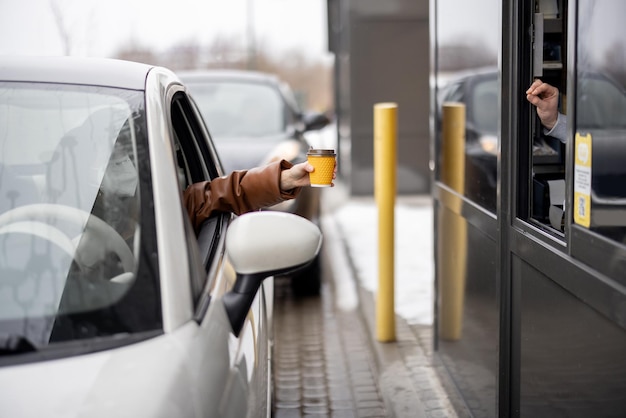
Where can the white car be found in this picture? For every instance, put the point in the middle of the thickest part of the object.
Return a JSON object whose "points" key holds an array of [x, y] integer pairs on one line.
{"points": [[110, 305]]}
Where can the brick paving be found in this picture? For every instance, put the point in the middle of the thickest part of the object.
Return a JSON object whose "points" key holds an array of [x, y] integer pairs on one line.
{"points": [[323, 366], [327, 362]]}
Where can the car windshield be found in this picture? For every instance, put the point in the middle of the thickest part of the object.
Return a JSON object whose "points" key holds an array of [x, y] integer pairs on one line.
{"points": [[239, 110], [71, 222]]}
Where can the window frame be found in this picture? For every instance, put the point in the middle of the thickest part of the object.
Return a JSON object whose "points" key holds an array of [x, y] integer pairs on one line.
{"points": [[194, 150]]}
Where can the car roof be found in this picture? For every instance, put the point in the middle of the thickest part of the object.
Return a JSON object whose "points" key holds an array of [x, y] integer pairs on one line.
{"points": [[75, 70], [469, 74], [190, 77], [228, 74]]}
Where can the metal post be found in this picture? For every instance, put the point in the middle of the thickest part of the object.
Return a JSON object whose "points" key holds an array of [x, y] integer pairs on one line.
{"points": [[385, 132]]}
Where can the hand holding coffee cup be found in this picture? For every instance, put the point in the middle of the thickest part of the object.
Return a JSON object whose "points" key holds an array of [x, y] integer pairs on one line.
{"points": [[324, 161]]}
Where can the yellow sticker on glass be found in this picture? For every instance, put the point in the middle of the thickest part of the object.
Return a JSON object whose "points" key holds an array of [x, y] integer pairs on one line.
{"points": [[582, 180]]}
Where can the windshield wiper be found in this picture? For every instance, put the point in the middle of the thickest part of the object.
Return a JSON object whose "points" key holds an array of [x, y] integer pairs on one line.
{"points": [[15, 344]]}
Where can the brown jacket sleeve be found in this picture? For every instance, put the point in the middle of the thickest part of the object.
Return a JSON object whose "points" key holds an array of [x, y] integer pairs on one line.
{"points": [[239, 192]]}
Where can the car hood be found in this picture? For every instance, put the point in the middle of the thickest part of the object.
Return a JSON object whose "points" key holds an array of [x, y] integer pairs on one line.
{"points": [[147, 379], [246, 153]]}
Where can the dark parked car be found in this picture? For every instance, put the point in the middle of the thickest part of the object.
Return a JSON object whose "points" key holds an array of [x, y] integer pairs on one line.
{"points": [[478, 90], [254, 118]]}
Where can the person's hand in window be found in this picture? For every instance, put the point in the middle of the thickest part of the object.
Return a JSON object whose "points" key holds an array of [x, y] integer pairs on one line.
{"points": [[298, 176], [545, 98]]}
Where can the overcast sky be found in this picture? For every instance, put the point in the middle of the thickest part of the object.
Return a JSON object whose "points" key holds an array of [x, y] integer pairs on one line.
{"points": [[100, 27]]}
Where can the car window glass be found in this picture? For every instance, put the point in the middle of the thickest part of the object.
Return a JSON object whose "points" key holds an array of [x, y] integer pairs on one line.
{"points": [[485, 105], [195, 165], [453, 93], [71, 211], [234, 110]]}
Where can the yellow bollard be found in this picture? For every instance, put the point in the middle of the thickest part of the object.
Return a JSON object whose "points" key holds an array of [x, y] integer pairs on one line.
{"points": [[453, 146], [385, 132], [452, 244]]}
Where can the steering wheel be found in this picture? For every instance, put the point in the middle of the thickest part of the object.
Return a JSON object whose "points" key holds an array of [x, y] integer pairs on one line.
{"points": [[31, 219]]}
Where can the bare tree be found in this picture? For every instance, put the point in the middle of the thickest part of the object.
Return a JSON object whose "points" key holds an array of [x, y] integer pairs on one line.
{"points": [[311, 80], [183, 55], [136, 52], [225, 52], [61, 24]]}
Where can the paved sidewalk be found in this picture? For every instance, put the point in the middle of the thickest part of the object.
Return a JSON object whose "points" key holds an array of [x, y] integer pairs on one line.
{"points": [[410, 380], [323, 365]]}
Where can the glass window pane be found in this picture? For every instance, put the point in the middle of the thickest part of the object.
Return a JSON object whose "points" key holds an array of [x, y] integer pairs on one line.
{"points": [[70, 213], [240, 110], [467, 58], [600, 126]]}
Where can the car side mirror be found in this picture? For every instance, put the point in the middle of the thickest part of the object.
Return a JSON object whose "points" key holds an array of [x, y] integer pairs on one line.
{"points": [[264, 244], [314, 121]]}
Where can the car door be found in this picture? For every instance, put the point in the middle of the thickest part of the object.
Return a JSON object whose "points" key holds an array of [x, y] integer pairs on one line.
{"points": [[231, 373]]}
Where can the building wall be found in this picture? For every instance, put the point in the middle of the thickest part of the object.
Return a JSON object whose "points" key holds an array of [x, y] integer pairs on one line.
{"points": [[382, 55]]}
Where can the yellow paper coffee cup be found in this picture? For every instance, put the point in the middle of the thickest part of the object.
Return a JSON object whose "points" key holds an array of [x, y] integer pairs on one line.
{"points": [[324, 162]]}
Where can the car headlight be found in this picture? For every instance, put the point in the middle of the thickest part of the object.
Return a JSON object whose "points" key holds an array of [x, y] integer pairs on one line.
{"points": [[489, 143]]}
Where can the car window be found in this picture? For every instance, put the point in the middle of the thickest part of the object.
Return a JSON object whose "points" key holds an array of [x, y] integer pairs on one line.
{"points": [[233, 110], [453, 93], [484, 105], [73, 223], [196, 163], [601, 103]]}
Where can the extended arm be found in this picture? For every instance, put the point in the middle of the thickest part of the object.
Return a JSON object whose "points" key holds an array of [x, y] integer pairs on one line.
{"points": [[246, 190]]}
